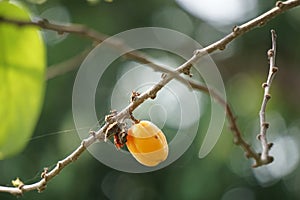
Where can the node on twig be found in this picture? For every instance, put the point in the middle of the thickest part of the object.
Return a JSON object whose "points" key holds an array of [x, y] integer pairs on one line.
{"points": [[264, 85], [236, 30], [44, 173], [274, 69], [279, 4], [134, 96]]}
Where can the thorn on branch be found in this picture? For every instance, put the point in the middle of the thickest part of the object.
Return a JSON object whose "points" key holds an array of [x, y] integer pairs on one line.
{"points": [[270, 53], [197, 52], [275, 69], [236, 30], [270, 145], [110, 118], [163, 75], [266, 125], [17, 183], [83, 142], [44, 173], [279, 4], [134, 96], [274, 37], [59, 164], [187, 71], [92, 133], [264, 85], [258, 137], [270, 159]]}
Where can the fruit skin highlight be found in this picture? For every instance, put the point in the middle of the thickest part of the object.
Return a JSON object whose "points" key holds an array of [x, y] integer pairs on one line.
{"points": [[147, 143]]}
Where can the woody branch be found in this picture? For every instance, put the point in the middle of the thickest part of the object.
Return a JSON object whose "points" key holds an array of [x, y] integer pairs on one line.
{"points": [[151, 93]]}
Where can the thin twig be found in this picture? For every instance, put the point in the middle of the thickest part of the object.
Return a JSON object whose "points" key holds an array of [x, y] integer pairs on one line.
{"points": [[264, 125], [67, 65], [47, 176], [151, 93], [237, 135], [89, 33], [281, 6], [77, 29], [138, 56]]}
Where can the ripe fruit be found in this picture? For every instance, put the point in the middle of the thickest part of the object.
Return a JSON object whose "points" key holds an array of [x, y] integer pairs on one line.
{"points": [[147, 143]]}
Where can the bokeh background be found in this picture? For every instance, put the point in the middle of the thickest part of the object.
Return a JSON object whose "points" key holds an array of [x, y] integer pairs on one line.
{"points": [[225, 173]]}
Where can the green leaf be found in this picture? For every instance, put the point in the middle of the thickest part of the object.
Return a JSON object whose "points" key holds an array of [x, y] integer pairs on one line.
{"points": [[22, 68]]}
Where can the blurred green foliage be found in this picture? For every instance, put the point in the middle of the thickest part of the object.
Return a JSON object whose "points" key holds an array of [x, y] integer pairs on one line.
{"points": [[22, 66], [225, 173]]}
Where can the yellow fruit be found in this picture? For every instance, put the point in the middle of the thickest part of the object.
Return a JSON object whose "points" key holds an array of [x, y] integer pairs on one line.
{"points": [[147, 143]]}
